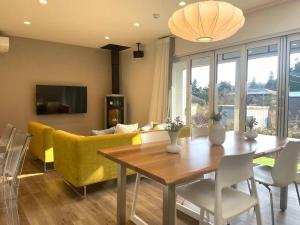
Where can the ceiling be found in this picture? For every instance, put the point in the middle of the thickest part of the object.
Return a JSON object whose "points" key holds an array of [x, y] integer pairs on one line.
{"points": [[87, 22]]}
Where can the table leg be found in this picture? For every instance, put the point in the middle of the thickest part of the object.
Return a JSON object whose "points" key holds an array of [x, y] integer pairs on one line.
{"points": [[121, 195], [283, 198], [169, 202]]}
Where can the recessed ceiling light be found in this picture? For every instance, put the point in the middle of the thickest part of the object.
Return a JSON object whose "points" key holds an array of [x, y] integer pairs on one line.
{"points": [[27, 22], [107, 38], [44, 2], [182, 3], [294, 44], [136, 24]]}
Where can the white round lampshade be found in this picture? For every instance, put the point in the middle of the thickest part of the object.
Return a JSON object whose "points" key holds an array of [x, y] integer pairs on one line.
{"points": [[206, 21]]}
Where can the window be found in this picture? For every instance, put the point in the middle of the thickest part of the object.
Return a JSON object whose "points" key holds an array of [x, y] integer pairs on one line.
{"points": [[260, 79], [262, 87], [179, 90], [228, 89], [294, 90], [200, 92]]}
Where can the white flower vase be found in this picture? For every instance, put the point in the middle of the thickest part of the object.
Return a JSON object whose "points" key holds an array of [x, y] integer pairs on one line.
{"points": [[250, 134], [174, 147], [217, 133]]}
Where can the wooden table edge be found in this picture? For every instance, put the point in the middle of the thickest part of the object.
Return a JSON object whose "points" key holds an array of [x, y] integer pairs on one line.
{"points": [[193, 175]]}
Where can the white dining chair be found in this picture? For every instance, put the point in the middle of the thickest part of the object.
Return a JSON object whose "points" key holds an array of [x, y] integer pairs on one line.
{"points": [[10, 181], [282, 174], [148, 137], [218, 197], [197, 132]]}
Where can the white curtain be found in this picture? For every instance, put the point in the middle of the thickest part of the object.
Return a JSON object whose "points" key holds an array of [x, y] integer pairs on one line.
{"points": [[160, 91]]}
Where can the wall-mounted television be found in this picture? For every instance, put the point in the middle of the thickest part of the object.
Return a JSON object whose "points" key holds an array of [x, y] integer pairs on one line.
{"points": [[60, 99]]}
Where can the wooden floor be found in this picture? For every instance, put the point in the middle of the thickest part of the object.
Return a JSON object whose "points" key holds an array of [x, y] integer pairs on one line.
{"points": [[46, 200]]}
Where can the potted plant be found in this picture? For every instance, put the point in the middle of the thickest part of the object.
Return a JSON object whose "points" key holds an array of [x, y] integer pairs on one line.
{"points": [[217, 130], [173, 129], [251, 134]]}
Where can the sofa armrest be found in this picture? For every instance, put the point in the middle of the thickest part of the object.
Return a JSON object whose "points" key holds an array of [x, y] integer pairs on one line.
{"points": [[41, 143]]}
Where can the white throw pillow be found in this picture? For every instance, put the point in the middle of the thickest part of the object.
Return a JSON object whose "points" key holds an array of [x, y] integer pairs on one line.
{"points": [[161, 126], [124, 128], [103, 132], [147, 127]]}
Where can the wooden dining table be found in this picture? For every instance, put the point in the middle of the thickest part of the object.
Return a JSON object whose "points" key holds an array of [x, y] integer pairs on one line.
{"points": [[198, 157]]}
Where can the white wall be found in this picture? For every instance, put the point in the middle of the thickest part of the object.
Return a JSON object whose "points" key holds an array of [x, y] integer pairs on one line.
{"points": [[136, 82], [262, 23]]}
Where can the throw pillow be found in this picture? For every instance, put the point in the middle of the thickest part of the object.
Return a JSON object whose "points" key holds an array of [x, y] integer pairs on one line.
{"points": [[147, 127], [124, 128], [161, 126], [102, 132]]}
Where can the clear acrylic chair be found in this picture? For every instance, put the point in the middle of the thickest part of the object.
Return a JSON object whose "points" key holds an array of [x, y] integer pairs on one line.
{"points": [[12, 169], [282, 174], [148, 137], [5, 141], [7, 135], [218, 197]]}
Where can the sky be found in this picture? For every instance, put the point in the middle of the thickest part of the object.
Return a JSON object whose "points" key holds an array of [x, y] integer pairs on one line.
{"points": [[259, 68]]}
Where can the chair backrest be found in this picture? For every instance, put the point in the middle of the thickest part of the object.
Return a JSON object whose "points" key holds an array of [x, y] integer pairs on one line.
{"points": [[16, 155], [155, 136], [7, 135], [285, 168], [234, 169], [199, 132]]}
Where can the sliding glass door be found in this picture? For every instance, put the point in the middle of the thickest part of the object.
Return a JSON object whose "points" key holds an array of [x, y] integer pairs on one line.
{"points": [[200, 79], [294, 88], [179, 90], [262, 74], [228, 88]]}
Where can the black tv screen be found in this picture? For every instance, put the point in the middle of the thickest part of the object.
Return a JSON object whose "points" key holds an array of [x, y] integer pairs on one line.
{"points": [[61, 99]]}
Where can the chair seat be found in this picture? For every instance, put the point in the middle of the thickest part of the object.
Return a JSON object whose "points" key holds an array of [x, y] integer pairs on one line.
{"points": [[202, 194], [263, 174]]}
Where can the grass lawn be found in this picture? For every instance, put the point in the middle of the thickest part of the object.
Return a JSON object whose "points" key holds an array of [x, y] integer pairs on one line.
{"points": [[269, 162]]}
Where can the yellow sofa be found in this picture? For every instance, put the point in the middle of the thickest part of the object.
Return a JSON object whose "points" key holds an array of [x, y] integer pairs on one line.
{"points": [[77, 161], [41, 143]]}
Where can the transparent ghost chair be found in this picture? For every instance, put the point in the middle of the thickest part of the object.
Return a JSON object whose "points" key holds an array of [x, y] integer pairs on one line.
{"points": [[10, 181], [5, 140], [148, 137]]}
